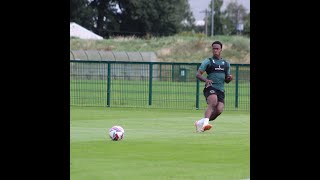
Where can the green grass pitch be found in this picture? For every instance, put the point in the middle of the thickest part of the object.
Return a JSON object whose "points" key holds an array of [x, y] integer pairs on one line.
{"points": [[159, 144]]}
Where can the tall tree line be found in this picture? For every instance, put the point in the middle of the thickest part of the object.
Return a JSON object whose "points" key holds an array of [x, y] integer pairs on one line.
{"points": [[233, 20], [155, 18], [132, 17]]}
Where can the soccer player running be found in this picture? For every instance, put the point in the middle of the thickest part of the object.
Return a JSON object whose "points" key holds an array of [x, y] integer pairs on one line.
{"points": [[218, 72]]}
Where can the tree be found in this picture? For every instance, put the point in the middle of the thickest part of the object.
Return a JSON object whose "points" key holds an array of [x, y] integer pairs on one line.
{"points": [[233, 18], [80, 12], [132, 17], [104, 16], [159, 18]]}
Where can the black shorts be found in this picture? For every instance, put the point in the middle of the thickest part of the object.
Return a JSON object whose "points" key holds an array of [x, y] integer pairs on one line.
{"points": [[211, 90]]}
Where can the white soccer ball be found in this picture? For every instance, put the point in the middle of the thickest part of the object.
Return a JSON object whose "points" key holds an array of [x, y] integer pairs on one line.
{"points": [[116, 133]]}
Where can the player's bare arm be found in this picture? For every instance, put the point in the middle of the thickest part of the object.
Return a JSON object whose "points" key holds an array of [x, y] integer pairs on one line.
{"points": [[203, 79]]}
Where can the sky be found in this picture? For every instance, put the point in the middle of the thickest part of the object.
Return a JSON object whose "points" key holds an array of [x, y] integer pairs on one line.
{"points": [[200, 5]]}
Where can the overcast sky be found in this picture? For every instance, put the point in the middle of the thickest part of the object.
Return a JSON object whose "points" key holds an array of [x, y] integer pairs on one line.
{"points": [[200, 5]]}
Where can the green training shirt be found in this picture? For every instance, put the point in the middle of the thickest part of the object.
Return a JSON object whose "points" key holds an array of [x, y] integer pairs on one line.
{"points": [[216, 70]]}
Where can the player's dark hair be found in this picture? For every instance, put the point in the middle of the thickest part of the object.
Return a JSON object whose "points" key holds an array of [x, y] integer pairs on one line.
{"points": [[217, 42]]}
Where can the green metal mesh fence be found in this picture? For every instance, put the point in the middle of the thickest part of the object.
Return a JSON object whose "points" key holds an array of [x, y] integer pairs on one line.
{"points": [[150, 85]]}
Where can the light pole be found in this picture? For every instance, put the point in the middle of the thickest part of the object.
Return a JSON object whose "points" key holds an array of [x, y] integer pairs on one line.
{"points": [[212, 12], [205, 21]]}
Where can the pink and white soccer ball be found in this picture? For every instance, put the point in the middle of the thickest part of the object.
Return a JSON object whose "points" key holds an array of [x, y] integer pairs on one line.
{"points": [[116, 133]]}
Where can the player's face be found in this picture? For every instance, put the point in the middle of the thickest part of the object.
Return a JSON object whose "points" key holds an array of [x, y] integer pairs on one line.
{"points": [[216, 49]]}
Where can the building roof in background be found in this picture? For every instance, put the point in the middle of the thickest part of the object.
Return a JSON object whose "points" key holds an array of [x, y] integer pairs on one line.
{"points": [[80, 32]]}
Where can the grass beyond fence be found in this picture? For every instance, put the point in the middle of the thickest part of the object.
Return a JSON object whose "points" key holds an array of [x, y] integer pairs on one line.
{"points": [[158, 144], [165, 94], [150, 85]]}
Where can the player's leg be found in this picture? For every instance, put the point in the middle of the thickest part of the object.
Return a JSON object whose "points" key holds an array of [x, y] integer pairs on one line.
{"points": [[220, 106], [212, 101], [217, 111], [203, 124]]}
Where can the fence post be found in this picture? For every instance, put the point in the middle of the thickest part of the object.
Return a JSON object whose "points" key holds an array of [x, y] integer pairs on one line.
{"points": [[172, 72], [197, 90], [108, 84], [150, 83], [237, 86]]}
